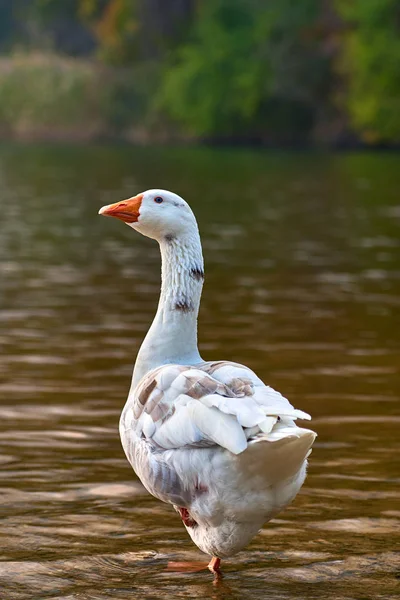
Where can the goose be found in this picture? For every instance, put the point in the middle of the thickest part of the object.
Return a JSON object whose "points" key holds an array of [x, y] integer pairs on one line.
{"points": [[208, 437]]}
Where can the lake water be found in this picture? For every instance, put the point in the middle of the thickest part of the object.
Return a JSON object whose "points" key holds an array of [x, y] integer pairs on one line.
{"points": [[302, 284]]}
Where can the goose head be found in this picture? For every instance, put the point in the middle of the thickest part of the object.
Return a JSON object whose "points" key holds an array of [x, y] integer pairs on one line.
{"points": [[157, 214]]}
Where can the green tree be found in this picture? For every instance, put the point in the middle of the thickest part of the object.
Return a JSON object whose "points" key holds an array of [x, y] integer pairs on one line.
{"points": [[250, 67], [370, 62]]}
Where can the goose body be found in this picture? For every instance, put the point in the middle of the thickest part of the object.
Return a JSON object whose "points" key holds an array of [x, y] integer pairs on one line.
{"points": [[210, 438]]}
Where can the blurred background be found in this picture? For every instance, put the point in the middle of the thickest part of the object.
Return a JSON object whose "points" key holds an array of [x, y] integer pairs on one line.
{"points": [[283, 73], [302, 252]]}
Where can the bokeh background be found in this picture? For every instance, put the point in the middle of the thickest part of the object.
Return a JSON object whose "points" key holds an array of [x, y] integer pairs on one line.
{"points": [[102, 100], [308, 72]]}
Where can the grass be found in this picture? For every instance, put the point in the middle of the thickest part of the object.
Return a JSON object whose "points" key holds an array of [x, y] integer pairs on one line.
{"points": [[48, 96]]}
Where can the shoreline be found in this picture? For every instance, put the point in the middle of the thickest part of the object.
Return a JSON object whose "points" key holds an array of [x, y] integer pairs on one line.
{"points": [[83, 138]]}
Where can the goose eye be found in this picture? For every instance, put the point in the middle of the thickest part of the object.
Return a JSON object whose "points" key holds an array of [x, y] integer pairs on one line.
{"points": [[158, 199]]}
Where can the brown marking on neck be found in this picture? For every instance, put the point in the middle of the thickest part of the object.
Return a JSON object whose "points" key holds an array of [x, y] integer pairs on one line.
{"points": [[197, 273], [184, 305]]}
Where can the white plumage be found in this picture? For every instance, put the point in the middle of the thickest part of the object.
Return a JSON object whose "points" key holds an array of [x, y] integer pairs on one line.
{"points": [[208, 437]]}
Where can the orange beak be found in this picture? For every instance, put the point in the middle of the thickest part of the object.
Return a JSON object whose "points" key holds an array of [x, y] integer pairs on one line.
{"points": [[126, 210]]}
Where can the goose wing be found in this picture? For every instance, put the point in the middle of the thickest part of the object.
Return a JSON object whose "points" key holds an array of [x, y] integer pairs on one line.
{"points": [[183, 408], [176, 406]]}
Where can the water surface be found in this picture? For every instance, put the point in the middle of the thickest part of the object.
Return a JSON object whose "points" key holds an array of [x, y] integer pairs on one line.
{"points": [[302, 284]]}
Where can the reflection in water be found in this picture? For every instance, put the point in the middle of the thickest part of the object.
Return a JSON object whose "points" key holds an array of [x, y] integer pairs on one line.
{"points": [[302, 284]]}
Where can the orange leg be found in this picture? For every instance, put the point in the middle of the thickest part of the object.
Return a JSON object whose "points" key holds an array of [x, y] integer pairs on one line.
{"points": [[214, 565]]}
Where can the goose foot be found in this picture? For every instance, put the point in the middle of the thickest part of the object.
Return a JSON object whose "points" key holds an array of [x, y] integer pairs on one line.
{"points": [[196, 566]]}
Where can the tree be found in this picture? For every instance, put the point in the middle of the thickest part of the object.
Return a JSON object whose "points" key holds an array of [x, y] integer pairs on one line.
{"points": [[250, 67], [370, 61]]}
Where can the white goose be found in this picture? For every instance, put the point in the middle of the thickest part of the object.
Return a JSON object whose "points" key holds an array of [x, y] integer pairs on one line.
{"points": [[210, 438]]}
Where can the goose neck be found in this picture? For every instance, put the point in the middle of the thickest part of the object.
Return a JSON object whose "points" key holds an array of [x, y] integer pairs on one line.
{"points": [[172, 338]]}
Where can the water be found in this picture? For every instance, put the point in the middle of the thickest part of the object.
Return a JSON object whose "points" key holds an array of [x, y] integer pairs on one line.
{"points": [[302, 284]]}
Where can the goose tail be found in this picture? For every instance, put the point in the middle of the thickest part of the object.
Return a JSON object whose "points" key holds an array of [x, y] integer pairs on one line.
{"points": [[279, 454]]}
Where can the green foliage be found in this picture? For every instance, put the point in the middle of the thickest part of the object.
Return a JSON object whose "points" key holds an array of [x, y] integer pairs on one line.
{"points": [[217, 79], [247, 66], [287, 71], [371, 62]]}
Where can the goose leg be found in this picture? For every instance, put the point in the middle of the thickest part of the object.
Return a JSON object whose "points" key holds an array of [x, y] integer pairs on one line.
{"points": [[214, 566]]}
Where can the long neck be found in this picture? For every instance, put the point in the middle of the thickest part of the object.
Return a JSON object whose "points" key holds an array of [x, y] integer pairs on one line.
{"points": [[172, 337]]}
